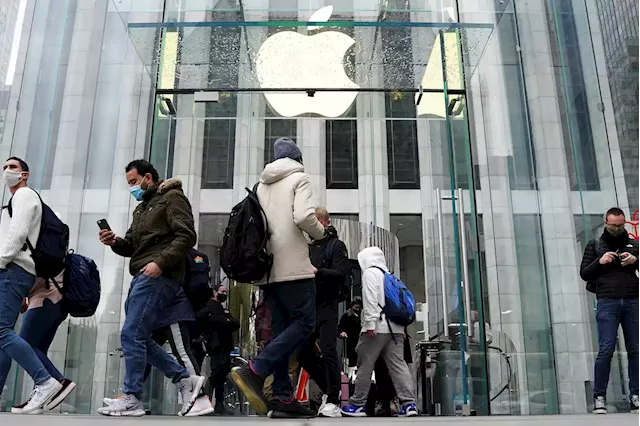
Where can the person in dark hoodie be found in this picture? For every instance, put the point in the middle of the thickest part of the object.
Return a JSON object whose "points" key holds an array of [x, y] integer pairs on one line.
{"points": [[610, 264], [320, 356], [216, 326]]}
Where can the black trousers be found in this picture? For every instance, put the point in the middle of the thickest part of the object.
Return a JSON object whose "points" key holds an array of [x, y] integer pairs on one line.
{"points": [[178, 337], [321, 361], [220, 368]]}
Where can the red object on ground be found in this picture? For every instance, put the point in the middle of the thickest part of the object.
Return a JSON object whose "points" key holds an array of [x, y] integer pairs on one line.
{"points": [[634, 224]]}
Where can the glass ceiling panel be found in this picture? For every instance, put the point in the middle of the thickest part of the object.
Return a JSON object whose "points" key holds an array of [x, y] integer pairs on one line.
{"points": [[201, 44]]}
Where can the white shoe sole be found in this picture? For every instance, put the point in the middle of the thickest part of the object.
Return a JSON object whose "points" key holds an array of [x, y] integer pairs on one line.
{"points": [[54, 403], [600, 411], [196, 393], [128, 413], [362, 414], [32, 413]]}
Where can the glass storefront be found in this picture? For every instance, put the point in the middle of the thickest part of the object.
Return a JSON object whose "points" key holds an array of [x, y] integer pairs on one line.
{"points": [[471, 130]]}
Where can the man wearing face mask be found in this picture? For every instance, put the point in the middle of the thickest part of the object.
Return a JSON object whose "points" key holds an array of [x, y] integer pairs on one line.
{"points": [[17, 278], [217, 326], [349, 329], [610, 264], [161, 234]]}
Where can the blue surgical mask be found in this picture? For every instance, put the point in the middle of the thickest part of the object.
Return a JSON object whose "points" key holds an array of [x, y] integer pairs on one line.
{"points": [[137, 192]]}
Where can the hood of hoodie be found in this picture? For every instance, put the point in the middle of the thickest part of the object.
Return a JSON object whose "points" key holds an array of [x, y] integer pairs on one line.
{"points": [[280, 169], [370, 257]]}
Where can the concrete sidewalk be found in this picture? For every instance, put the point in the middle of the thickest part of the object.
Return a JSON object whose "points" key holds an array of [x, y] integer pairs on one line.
{"points": [[79, 420]]}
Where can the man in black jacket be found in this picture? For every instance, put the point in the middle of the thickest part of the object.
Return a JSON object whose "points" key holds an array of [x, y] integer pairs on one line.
{"points": [[610, 264], [329, 257], [216, 326]]}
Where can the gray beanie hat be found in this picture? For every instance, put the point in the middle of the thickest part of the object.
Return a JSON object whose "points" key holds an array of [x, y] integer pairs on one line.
{"points": [[286, 148]]}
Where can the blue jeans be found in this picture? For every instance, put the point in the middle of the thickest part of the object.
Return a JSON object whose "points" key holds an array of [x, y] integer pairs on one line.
{"points": [[15, 285], [147, 298], [610, 314], [39, 326], [293, 318]]}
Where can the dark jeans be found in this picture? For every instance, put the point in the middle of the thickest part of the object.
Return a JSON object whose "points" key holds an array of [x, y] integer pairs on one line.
{"points": [[15, 285], [147, 298], [610, 314], [293, 317], [324, 368]]}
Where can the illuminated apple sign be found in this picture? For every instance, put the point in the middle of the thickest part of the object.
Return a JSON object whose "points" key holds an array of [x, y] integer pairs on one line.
{"points": [[291, 60]]}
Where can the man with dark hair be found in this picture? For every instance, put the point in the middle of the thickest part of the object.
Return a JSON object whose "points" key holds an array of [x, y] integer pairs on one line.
{"points": [[17, 279], [160, 236], [610, 263]]}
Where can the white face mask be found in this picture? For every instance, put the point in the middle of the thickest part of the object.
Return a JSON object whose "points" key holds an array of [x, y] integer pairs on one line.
{"points": [[11, 178]]}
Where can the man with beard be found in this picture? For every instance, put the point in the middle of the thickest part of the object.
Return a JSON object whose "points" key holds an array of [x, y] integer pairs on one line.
{"points": [[610, 266]]}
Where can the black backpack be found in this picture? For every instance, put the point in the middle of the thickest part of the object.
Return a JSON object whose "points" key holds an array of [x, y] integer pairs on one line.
{"points": [[50, 251], [196, 279], [243, 255], [81, 290]]}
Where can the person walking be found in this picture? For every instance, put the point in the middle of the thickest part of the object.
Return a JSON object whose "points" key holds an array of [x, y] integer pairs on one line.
{"points": [[216, 326], [610, 263], [160, 236], [349, 329], [329, 257], [17, 279], [380, 336], [285, 194], [44, 314]]}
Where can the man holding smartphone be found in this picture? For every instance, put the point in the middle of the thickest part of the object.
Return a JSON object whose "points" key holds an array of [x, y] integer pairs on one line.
{"points": [[611, 263], [160, 236]]}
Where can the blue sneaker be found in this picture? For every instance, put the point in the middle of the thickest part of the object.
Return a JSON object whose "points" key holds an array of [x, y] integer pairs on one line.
{"points": [[408, 410], [353, 411]]}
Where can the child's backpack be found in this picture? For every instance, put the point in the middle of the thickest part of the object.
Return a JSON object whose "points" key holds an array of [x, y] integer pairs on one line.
{"points": [[399, 304]]}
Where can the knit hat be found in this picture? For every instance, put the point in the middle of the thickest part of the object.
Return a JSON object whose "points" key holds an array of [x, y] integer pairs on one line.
{"points": [[286, 148]]}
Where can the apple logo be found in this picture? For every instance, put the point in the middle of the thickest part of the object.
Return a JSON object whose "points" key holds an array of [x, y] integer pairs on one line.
{"points": [[292, 60]]}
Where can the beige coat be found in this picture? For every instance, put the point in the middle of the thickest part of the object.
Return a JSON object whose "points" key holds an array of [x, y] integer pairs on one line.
{"points": [[286, 198]]}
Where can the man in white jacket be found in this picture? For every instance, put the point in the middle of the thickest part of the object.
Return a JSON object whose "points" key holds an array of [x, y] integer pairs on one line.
{"points": [[17, 278], [379, 337], [285, 195]]}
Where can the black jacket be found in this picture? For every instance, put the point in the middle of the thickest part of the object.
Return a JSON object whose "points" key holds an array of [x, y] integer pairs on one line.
{"points": [[350, 324], [613, 280], [217, 326], [329, 256]]}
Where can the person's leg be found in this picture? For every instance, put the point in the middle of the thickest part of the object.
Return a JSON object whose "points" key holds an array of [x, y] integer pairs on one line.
{"points": [[386, 391], [147, 298], [399, 370], [327, 339], [15, 284], [630, 330], [292, 305], [160, 337], [39, 327], [608, 319], [180, 342], [220, 368], [369, 349], [313, 364]]}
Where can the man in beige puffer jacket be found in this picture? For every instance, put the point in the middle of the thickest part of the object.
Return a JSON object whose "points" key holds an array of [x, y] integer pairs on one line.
{"points": [[286, 198]]}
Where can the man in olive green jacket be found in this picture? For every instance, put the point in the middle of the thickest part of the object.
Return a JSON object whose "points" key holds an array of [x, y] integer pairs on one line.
{"points": [[160, 236]]}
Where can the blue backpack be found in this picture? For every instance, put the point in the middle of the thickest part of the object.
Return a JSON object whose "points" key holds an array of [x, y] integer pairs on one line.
{"points": [[81, 290], [399, 304]]}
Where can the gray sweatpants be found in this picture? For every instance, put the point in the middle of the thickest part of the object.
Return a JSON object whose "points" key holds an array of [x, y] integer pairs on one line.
{"points": [[369, 349]]}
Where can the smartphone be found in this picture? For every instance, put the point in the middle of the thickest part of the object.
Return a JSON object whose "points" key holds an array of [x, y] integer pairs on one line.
{"points": [[104, 225]]}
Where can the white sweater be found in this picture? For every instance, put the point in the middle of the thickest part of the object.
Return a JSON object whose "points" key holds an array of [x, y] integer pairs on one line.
{"points": [[14, 231]]}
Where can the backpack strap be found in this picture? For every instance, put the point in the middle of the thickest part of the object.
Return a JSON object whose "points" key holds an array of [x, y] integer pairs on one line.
{"points": [[393, 336]]}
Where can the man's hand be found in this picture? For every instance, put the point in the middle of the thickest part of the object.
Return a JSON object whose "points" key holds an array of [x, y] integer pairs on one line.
{"points": [[343, 335], [628, 259], [315, 270], [151, 270], [108, 238], [371, 333], [608, 257]]}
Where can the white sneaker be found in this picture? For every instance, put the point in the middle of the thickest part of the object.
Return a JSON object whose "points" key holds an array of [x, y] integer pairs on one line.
{"points": [[201, 407], [127, 406], [111, 401], [330, 410], [190, 389], [599, 405], [323, 403], [40, 396]]}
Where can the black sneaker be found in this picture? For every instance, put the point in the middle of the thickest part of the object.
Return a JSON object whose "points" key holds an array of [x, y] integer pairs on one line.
{"points": [[251, 385], [288, 410]]}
